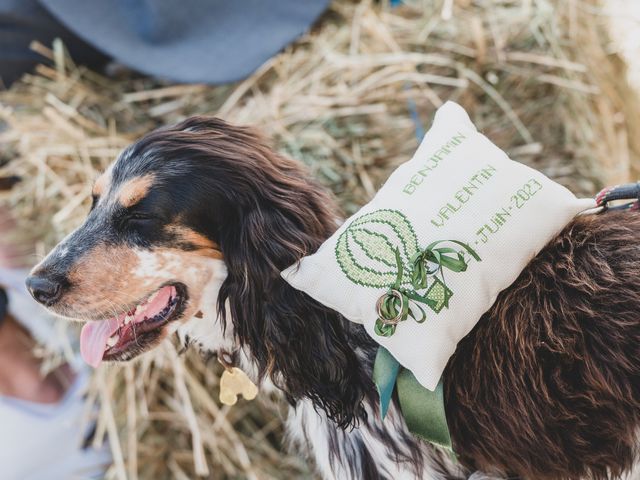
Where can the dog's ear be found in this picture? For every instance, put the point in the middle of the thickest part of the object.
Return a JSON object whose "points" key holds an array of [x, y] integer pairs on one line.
{"points": [[302, 345]]}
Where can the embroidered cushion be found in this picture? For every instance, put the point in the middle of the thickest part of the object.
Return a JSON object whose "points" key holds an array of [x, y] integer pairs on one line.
{"points": [[450, 229]]}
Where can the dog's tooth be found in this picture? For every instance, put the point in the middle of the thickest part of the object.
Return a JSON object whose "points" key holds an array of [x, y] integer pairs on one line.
{"points": [[140, 309], [153, 296], [112, 341], [128, 319]]}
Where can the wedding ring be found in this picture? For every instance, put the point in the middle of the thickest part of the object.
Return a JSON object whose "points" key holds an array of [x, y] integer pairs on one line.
{"points": [[398, 318]]}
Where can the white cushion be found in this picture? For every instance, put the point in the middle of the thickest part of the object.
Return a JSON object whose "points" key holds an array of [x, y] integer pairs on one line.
{"points": [[464, 198]]}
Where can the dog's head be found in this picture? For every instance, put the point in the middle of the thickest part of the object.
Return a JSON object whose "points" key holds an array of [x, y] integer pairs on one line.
{"points": [[191, 226]]}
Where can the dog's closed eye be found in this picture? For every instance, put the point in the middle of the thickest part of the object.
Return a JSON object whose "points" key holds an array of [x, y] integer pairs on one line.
{"points": [[139, 218]]}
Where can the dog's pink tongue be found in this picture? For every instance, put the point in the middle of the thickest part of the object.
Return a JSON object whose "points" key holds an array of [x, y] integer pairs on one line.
{"points": [[93, 339]]}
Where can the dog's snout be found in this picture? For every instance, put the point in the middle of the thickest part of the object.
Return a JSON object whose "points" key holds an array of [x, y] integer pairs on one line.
{"points": [[45, 290]]}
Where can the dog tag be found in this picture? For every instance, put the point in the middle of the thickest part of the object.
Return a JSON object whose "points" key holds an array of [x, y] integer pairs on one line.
{"points": [[235, 382]]}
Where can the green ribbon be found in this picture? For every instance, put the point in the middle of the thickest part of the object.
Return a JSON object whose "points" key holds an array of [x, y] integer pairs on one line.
{"points": [[443, 257], [385, 373], [422, 409], [395, 303]]}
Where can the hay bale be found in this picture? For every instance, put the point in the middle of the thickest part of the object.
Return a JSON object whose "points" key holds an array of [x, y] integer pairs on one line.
{"points": [[348, 99]]}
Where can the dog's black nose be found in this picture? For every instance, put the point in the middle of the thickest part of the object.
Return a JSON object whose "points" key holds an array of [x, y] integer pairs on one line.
{"points": [[45, 290]]}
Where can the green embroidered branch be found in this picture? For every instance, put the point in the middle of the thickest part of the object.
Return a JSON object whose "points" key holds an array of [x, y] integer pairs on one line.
{"points": [[395, 305]]}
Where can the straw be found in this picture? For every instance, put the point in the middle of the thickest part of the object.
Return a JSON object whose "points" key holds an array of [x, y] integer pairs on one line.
{"points": [[537, 76]]}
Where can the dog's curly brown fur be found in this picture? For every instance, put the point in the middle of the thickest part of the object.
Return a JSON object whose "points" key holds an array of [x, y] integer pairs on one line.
{"points": [[547, 386]]}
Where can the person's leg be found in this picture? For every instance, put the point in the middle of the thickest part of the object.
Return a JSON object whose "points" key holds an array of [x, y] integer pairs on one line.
{"points": [[21, 22], [20, 368], [20, 375]]}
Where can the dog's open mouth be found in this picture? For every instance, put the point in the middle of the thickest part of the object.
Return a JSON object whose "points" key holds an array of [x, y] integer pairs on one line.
{"points": [[129, 334]]}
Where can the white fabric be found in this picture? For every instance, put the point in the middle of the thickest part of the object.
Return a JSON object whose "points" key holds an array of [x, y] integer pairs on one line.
{"points": [[458, 186], [43, 442]]}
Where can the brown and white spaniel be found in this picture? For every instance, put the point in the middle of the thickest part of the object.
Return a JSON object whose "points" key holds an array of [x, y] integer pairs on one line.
{"points": [[188, 233]]}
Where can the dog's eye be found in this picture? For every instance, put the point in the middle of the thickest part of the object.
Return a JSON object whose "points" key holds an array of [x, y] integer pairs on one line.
{"points": [[137, 218]]}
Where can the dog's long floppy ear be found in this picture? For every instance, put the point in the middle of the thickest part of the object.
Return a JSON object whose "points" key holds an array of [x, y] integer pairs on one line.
{"points": [[273, 215]]}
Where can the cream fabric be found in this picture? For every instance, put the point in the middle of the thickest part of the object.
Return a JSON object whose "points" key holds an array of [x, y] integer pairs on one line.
{"points": [[484, 218]]}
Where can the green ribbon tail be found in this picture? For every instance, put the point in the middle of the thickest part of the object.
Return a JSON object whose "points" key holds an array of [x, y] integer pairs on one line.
{"points": [[423, 410], [454, 263], [419, 298], [385, 373]]}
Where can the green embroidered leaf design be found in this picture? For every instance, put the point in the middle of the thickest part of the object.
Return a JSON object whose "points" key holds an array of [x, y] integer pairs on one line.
{"points": [[398, 223], [354, 270], [374, 245], [366, 249], [439, 294]]}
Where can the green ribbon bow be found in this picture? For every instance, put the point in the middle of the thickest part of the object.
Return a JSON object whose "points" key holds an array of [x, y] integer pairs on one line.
{"points": [[443, 257], [422, 409], [395, 305]]}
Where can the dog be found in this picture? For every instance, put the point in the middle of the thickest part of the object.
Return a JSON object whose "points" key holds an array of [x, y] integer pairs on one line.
{"points": [[188, 233]]}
